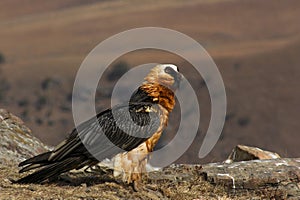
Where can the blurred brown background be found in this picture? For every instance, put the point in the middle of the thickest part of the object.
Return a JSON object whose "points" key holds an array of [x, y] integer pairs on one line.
{"points": [[255, 44]]}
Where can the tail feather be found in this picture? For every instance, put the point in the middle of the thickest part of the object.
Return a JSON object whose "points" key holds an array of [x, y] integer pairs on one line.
{"points": [[42, 158], [51, 170], [30, 167]]}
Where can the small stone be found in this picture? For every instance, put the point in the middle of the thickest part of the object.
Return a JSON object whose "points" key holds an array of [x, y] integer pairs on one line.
{"points": [[245, 153], [84, 185]]}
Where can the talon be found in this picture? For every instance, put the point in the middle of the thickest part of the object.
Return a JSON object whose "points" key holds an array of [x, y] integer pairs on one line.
{"points": [[136, 186]]}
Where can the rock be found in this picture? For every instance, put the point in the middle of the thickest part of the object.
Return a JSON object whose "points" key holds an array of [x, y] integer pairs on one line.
{"points": [[277, 175], [17, 142], [244, 153]]}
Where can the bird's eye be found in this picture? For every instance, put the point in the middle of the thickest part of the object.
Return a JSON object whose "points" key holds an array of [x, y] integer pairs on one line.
{"points": [[169, 70]]}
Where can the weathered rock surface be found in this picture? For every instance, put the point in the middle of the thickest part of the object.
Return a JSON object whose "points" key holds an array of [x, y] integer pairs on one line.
{"points": [[255, 179], [280, 175], [17, 142]]}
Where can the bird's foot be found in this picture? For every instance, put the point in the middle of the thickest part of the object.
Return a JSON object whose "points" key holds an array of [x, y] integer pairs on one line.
{"points": [[137, 186]]}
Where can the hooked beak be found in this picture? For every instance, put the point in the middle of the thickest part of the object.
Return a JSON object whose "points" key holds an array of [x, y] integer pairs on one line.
{"points": [[177, 80]]}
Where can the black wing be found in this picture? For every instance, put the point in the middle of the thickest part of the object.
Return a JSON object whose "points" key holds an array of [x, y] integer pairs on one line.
{"points": [[121, 129], [139, 95]]}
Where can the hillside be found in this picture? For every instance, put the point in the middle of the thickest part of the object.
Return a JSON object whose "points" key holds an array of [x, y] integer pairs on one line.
{"points": [[254, 44]]}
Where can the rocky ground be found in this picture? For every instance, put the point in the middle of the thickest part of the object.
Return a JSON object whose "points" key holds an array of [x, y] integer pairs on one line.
{"points": [[255, 179]]}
